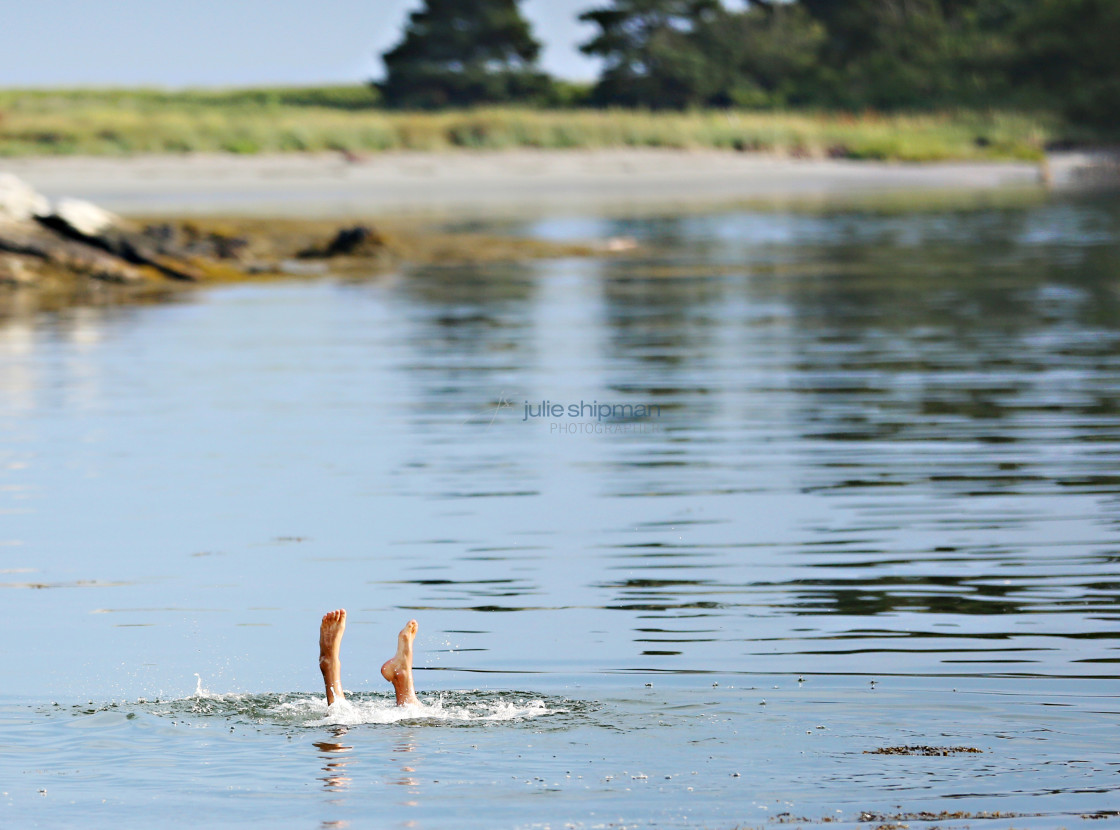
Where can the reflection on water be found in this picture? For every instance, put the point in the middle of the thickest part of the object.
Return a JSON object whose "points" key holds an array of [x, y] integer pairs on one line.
{"points": [[886, 445], [403, 753], [335, 760]]}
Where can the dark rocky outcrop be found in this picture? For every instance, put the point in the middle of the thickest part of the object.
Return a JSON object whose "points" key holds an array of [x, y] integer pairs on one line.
{"points": [[85, 222], [189, 240], [75, 251], [31, 240], [74, 238], [358, 240]]}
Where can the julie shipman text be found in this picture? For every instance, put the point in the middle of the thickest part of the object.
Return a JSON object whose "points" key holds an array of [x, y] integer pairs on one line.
{"points": [[599, 411]]}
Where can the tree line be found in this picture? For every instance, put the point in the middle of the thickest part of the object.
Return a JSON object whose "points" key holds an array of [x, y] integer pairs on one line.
{"points": [[842, 54]]}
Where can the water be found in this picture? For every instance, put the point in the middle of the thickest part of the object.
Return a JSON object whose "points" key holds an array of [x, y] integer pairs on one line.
{"points": [[872, 502]]}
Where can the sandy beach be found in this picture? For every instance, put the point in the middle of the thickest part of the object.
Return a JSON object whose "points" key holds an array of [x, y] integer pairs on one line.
{"points": [[491, 183]]}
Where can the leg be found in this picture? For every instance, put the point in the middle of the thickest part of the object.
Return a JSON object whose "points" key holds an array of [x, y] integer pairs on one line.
{"points": [[398, 668], [330, 638]]}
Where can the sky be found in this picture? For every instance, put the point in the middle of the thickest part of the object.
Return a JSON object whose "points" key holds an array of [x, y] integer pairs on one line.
{"points": [[177, 43]]}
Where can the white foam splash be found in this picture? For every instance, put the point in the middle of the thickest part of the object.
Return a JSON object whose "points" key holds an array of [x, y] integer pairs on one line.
{"points": [[312, 710], [353, 712], [201, 693]]}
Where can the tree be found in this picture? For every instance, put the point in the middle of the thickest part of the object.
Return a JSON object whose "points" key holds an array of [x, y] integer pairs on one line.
{"points": [[463, 53], [763, 56], [888, 54], [1067, 53], [915, 53], [651, 54], [883, 53]]}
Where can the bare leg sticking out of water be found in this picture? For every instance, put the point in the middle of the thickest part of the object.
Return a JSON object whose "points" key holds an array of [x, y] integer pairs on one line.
{"points": [[397, 669], [330, 639]]}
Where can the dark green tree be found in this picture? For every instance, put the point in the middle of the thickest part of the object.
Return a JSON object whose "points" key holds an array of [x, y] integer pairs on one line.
{"points": [[766, 55], [463, 53], [915, 53], [883, 53], [652, 56], [855, 54], [1068, 53]]}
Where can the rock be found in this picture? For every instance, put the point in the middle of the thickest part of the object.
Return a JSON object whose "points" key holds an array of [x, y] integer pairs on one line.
{"points": [[359, 240], [187, 240], [19, 201], [84, 218], [86, 222], [84, 239], [32, 240], [16, 270]]}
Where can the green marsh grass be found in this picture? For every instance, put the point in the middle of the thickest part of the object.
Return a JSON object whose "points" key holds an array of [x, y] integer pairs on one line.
{"points": [[347, 119]]}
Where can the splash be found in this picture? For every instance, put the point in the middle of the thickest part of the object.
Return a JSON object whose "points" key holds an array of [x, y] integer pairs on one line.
{"points": [[202, 693], [300, 709], [461, 708]]}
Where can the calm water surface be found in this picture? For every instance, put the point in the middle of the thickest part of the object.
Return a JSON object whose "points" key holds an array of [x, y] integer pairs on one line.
{"points": [[873, 500]]}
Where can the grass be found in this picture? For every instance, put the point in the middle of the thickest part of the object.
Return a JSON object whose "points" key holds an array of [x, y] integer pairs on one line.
{"points": [[285, 120]]}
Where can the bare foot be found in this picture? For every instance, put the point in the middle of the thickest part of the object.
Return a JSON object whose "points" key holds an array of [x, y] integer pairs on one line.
{"points": [[398, 668], [330, 639]]}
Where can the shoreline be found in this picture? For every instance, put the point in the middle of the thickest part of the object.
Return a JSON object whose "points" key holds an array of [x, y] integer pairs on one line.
{"points": [[503, 182], [175, 222]]}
